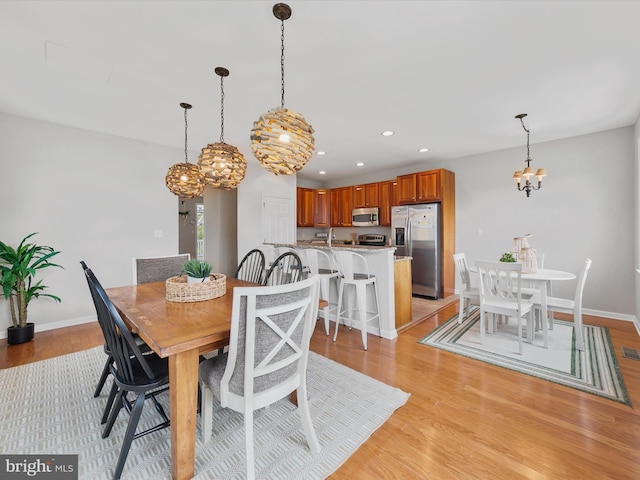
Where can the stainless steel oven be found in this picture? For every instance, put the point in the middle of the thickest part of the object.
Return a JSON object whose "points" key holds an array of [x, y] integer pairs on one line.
{"points": [[364, 217]]}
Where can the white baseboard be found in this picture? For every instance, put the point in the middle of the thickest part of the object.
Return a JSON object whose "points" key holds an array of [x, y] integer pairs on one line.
{"points": [[613, 315], [60, 324]]}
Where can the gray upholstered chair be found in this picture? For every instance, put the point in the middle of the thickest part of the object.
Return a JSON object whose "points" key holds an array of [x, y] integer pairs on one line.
{"points": [[271, 327], [158, 269]]}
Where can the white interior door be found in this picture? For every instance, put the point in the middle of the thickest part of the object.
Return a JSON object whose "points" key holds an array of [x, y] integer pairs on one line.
{"points": [[278, 219]]}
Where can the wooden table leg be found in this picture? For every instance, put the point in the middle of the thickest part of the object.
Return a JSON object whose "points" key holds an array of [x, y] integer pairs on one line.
{"points": [[183, 398]]}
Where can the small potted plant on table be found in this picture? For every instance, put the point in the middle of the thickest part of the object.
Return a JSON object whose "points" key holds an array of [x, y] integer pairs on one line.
{"points": [[196, 284], [197, 271], [18, 268]]}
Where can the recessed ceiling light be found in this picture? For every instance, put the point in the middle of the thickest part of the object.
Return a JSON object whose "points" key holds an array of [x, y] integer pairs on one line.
{"points": [[360, 164], [387, 133], [322, 172], [422, 150], [321, 153]]}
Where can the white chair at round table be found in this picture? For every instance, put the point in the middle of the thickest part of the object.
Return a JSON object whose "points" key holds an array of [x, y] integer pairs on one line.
{"points": [[565, 305], [355, 276]]}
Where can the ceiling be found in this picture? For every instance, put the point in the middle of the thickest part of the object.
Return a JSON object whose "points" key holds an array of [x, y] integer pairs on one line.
{"points": [[446, 75]]}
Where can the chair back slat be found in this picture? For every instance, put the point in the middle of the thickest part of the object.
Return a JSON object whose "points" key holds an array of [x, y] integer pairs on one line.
{"points": [[252, 267], [352, 266], [287, 268], [319, 262], [460, 262], [500, 280]]}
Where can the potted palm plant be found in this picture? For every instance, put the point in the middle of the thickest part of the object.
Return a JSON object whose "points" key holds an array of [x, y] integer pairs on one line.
{"points": [[18, 268]]}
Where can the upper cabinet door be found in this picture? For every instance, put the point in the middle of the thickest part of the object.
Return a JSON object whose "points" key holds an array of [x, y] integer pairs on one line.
{"points": [[305, 208], [428, 186], [367, 195], [407, 189], [359, 199], [322, 212], [387, 200]]}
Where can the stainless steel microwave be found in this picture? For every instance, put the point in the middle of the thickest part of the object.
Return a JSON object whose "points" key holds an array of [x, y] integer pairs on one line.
{"points": [[364, 217]]}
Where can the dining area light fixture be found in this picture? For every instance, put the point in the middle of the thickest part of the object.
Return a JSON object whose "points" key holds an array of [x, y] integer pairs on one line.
{"points": [[281, 139], [185, 179], [527, 173], [222, 165]]}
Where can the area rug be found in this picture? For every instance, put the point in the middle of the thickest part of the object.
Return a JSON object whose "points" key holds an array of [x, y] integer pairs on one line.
{"points": [[594, 370], [48, 408]]}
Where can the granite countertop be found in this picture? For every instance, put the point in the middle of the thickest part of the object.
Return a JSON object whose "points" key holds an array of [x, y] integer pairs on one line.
{"points": [[402, 259], [335, 245]]}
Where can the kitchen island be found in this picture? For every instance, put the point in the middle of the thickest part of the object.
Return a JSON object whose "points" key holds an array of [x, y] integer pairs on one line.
{"points": [[381, 264]]}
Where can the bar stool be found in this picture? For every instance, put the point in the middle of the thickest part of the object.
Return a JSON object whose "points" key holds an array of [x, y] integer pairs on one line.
{"points": [[354, 271], [319, 263]]}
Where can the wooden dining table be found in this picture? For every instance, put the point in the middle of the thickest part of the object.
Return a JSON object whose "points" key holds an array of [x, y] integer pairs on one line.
{"points": [[180, 332]]}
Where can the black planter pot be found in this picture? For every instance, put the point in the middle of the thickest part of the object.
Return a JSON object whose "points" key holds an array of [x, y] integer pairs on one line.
{"points": [[16, 335]]}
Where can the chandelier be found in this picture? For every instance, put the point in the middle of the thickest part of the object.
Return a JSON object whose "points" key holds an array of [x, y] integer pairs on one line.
{"points": [[528, 171], [281, 139], [222, 164], [185, 179]]}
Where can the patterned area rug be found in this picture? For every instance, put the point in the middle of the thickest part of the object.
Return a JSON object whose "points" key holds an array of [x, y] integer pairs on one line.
{"points": [[595, 370], [48, 408]]}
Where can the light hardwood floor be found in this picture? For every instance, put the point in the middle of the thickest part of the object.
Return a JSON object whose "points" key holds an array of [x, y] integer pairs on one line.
{"points": [[465, 419]]}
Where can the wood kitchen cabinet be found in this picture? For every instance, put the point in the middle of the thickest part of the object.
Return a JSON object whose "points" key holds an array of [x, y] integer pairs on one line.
{"points": [[387, 200], [322, 211], [428, 186], [341, 206], [367, 195], [420, 187], [305, 207]]}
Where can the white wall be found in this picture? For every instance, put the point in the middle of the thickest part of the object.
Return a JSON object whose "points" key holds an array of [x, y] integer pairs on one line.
{"points": [[95, 197], [257, 183], [220, 240], [585, 209]]}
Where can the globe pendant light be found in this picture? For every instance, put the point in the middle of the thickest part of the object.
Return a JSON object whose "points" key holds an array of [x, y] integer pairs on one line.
{"points": [[185, 179], [281, 139], [223, 165]]}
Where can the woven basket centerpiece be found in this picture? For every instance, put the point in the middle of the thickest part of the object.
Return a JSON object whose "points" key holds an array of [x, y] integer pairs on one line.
{"points": [[178, 290]]}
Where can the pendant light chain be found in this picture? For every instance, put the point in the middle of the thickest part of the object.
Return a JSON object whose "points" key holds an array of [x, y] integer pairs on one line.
{"points": [[526, 130], [186, 159], [221, 109], [282, 62]]}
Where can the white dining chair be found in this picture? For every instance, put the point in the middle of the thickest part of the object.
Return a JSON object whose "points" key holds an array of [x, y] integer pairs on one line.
{"points": [[468, 294], [267, 360], [565, 305], [499, 287]]}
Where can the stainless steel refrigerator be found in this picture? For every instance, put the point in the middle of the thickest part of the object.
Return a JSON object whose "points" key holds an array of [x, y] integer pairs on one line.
{"points": [[416, 232]]}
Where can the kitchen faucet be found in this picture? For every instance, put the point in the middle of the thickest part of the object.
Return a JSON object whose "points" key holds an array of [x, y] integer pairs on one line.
{"points": [[330, 235]]}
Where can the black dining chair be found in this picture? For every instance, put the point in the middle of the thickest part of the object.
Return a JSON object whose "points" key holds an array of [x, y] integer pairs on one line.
{"points": [[287, 268], [145, 376], [251, 268], [106, 370]]}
